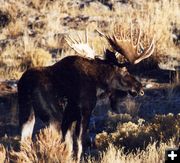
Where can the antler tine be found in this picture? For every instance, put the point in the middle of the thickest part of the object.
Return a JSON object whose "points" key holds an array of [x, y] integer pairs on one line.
{"points": [[151, 48], [81, 41], [138, 39], [131, 35], [86, 36], [120, 32], [70, 40], [139, 36], [123, 34], [100, 33], [80, 47], [141, 47], [147, 53]]}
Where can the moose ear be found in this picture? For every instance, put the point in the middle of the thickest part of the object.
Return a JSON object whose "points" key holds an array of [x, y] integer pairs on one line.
{"points": [[110, 57]]}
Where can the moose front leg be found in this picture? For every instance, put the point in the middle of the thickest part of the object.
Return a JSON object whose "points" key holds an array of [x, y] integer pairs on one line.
{"points": [[86, 108], [81, 131], [72, 135]]}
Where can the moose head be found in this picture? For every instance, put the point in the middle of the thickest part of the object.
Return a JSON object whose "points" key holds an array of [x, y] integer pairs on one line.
{"points": [[124, 44]]}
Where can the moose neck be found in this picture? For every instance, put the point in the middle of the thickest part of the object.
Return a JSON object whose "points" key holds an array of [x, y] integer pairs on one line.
{"points": [[104, 73], [98, 70]]}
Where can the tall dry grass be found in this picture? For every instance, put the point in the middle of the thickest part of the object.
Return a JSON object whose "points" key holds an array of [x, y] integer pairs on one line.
{"points": [[2, 154], [135, 133], [49, 148], [151, 154]]}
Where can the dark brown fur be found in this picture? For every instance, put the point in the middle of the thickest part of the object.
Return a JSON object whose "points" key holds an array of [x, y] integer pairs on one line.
{"points": [[66, 91]]}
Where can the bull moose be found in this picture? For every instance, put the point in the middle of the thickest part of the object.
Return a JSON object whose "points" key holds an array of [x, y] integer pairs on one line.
{"points": [[66, 92]]}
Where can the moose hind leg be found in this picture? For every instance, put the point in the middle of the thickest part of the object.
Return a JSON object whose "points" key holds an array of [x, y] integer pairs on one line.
{"points": [[46, 109], [28, 126], [26, 114], [79, 143], [81, 127]]}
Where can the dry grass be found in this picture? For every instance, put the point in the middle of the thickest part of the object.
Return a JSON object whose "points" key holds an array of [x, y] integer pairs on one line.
{"points": [[45, 22], [150, 155], [48, 148], [138, 133], [2, 153], [39, 57]]}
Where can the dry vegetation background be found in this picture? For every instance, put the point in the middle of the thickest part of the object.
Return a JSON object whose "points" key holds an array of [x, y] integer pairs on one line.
{"points": [[32, 34]]}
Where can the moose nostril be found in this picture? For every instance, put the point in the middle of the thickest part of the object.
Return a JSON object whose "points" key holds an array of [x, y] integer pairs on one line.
{"points": [[133, 93], [141, 93]]}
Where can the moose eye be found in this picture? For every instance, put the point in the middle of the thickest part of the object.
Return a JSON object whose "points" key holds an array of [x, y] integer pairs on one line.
{"points": [[124, 83]]}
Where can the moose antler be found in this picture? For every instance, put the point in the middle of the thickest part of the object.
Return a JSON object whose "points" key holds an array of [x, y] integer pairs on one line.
{"points": [[122, 42], [81, 47]]}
